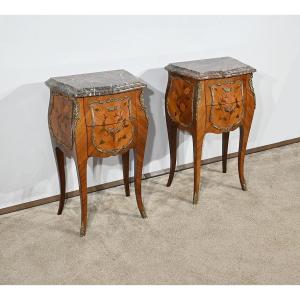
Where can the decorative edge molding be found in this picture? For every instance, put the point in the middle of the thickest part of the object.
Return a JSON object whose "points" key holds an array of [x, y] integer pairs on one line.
{"points": [[75, 116], [250, 82], [208, 75], [198, 98], [143, 106], [116, 183], [63, 88]]}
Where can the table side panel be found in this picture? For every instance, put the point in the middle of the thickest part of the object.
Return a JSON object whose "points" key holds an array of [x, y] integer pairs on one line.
{"points": [[180, 100], [61, 111]]}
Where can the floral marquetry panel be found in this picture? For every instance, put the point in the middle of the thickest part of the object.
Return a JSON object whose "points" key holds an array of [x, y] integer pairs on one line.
{"points": [[225, 117], [225, 102], [226, 91], [110, 139], [110, 109], [60, 120], [111, 112], [180, 101]]}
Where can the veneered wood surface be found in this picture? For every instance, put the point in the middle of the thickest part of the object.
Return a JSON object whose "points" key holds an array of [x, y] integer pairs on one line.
{"points": [[110, 113], [225, 117], [103, 126], [172, 135], [60, 161], [110, 139], [180, 100], [139, 150], [219, 106], [198, 135], [225, 140], [60, 120], [225, 100], [245, 129], [109, 109], [224, 91], [118, 112], [125, 166]]}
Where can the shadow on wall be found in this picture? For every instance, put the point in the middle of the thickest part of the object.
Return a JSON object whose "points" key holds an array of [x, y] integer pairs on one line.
{"points": [[27, 164], [25, 141], [157, 147], [157, 143]]}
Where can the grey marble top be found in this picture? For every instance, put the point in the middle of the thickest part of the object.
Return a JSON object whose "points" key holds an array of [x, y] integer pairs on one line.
{"points": [[95, 84], [210, 68]]}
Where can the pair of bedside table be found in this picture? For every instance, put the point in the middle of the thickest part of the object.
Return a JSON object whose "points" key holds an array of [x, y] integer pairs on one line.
{"points": [[103, 114]]}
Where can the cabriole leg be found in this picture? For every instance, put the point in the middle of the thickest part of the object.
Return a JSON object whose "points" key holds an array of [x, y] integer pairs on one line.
{"points": [[225, 138], [125, 163], [197, 146]]}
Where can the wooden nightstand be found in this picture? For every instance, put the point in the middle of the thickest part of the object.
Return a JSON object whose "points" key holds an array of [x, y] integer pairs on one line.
{"points": [[97, 115], [211, 95]]}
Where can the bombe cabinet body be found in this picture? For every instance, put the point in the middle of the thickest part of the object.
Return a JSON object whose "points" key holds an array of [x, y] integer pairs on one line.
{"points": [[209, 96], [97, 115]]}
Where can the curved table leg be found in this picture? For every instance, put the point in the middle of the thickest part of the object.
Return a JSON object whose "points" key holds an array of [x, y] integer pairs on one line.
{"points": [[225, 138], [172, 134], [125, 164], [198, 138], [60, 162]]}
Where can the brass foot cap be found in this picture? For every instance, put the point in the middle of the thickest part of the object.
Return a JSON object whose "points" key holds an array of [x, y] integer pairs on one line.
{"points": [[82, 231], [143, 214], [195, 199], [244, 187]]}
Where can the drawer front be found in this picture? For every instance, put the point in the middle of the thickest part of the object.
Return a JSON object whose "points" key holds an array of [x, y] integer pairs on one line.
{"points": [[223, 92], [110, 139], [180, 101], [225, 102], [108, 111], [225, 117], [111, 122]]}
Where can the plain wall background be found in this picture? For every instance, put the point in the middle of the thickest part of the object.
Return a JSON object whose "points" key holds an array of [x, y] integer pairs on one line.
{"points": [[34, 48]]}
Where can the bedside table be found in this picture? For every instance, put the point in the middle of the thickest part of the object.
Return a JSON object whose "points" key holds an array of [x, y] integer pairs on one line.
{"points": [[97, 115], [211, 95]]}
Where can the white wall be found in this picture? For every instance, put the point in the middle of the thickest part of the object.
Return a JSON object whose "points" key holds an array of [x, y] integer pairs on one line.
{"points": [[32, 49]]}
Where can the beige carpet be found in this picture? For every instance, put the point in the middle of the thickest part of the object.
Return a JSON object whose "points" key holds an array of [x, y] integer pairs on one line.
{"points": [[231, 237]]}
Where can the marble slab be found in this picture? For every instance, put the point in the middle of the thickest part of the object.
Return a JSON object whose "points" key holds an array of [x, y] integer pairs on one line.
{"points": [[210, 68], [95, 84]]}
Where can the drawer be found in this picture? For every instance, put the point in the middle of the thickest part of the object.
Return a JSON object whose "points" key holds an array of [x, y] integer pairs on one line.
{"points": [[225, 117], [224, 91], [180, 101], [107, 111], [110, 139]]}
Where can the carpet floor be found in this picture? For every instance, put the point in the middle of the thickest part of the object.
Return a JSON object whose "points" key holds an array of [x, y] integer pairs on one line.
{"points": [[230, 237]]}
